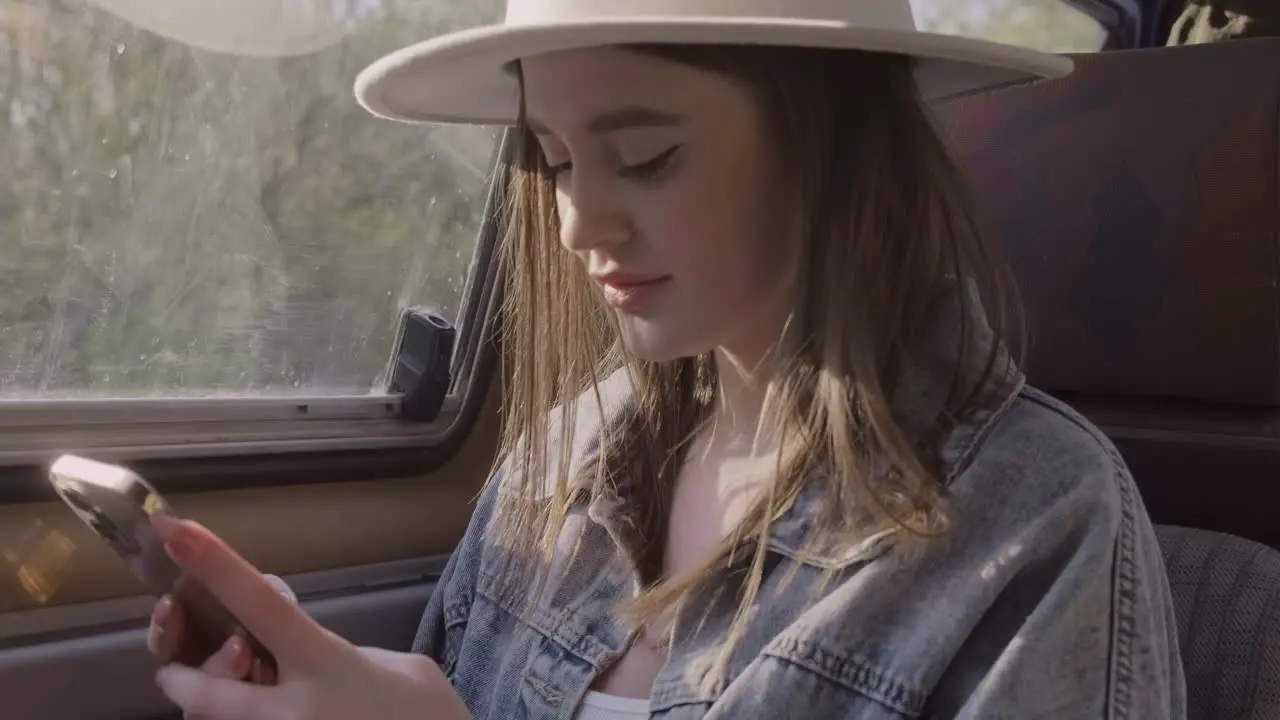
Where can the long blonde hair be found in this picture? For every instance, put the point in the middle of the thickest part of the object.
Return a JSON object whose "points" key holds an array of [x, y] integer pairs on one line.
{"points": [[888, 231]]}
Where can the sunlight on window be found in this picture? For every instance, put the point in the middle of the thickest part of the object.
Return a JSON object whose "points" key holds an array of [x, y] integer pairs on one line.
{"points": [[178, 220], [1049, 25]]}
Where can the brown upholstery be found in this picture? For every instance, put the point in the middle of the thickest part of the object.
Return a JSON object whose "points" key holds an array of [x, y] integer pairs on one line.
{"points": [[1139, 205]]}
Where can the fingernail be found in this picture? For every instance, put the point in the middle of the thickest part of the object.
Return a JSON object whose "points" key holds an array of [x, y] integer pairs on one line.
{"points": [[179, 537], [183, 546], [234, 647], [155, 637], [164, 609], [282, 587], [165, 525]]}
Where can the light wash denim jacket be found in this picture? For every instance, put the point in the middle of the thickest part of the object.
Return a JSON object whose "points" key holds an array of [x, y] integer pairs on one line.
{"points": [[1047, 598]]}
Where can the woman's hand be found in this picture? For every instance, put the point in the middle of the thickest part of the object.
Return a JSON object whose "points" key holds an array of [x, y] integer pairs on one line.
{"points": [[321, 675], [168, 641]]}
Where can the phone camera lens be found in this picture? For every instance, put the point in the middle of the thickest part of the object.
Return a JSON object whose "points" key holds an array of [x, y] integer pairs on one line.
{"points": [[107, 528], [77, 498], [102, 524]]}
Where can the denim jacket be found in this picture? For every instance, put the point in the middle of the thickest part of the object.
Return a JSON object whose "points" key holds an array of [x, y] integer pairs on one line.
{"points": [[1046, 598]]}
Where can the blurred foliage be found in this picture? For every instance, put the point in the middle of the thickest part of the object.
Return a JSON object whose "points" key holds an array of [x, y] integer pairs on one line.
{"points": [[1049, 25], [177, 221]]}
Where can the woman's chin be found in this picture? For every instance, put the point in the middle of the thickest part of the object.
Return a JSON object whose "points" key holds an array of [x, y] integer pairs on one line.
{"points": [[651, 342]]}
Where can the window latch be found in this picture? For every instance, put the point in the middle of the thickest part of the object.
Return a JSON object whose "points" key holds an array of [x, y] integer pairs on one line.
{"points": [[422, 370]]}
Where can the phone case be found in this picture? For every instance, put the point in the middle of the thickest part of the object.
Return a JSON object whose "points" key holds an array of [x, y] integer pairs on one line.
{"points": [[117, 504]]}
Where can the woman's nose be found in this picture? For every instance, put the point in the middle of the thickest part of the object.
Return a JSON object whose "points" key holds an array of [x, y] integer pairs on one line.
{"points": [[589, 221]]}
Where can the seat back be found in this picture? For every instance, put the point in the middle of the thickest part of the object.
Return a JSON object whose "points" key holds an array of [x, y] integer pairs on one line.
{"points": [[1138, 203], [1226, 595]]}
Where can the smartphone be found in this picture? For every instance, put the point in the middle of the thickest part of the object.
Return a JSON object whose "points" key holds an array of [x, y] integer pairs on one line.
{"points": [[117, 505]]}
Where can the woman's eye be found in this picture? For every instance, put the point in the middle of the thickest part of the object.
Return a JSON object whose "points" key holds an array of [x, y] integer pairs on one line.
{"points": [[652, 168]]}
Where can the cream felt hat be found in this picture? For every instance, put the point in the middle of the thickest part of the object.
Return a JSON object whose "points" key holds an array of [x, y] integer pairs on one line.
{"points": [[466, 76]]}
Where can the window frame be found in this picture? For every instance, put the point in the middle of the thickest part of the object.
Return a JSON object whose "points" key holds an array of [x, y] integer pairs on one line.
{"points": [[220, 443]]}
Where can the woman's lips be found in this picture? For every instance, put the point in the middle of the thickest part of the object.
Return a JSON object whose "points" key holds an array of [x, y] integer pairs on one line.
{"points": [[629, 293]]}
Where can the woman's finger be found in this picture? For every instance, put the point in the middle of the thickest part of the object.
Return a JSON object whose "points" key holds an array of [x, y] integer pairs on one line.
{"points": [[233, 660], [202, 695], [282, 587], [294, 638], [164, 635], [262, 673]]}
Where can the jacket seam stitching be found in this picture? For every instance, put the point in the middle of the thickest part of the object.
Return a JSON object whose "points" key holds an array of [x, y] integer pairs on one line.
{"points": [[1125, 589], [548, 624], [979, 430], [852, 674], [456, 613], [1040, 399], [1124, 575]]}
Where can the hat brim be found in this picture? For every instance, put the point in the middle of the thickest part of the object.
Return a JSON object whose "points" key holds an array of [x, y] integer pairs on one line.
{"points": [[465, 77]]}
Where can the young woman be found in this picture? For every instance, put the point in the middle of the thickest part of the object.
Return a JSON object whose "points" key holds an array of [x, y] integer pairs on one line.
{"points": [[766, 454]]}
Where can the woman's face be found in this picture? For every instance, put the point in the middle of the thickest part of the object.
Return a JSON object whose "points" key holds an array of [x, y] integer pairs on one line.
{"points": [[667, 185]]}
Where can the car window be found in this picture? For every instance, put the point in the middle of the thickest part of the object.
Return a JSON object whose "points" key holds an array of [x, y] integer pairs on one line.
{"points": [[198, 207], [195, 204], [1049, 25]]}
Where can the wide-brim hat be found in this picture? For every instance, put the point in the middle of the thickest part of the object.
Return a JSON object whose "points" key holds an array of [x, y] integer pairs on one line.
{"points": [[467, 76]]}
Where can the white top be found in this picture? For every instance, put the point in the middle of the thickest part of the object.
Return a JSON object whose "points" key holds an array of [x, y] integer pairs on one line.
{"points": [[599, 706]]}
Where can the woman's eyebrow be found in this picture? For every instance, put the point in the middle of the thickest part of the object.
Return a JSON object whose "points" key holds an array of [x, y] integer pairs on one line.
{"points": [[621, 119]]}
